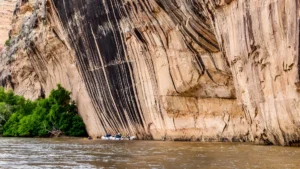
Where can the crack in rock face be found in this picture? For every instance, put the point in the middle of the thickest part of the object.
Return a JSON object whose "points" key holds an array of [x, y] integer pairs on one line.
{"points": [[213, 70]]}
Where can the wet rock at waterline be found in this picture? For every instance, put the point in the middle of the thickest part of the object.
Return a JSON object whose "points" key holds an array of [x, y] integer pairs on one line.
{"points": [[178, 70]]}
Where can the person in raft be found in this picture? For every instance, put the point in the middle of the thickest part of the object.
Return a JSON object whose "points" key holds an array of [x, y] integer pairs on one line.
{"points": [[118, 135]]}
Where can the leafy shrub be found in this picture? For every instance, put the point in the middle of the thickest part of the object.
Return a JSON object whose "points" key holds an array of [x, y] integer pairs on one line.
{"points": [[7, 42], [41, 117], [5, 113]]}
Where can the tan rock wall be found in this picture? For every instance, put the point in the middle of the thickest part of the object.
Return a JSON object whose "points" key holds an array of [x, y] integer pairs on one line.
{"points": [[174, 64], [261, 41], [208, 70], [6, 12], [181, 77]]}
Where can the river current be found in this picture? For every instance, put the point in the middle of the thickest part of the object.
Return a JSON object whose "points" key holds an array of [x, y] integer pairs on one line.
{"points": [[31, 153]]}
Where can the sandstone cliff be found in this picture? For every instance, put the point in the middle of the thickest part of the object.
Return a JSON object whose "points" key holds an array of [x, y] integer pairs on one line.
{"points": [[208, 70]]}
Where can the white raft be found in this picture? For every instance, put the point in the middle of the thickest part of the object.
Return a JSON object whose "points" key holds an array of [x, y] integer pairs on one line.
{"points": [[122, 138]]}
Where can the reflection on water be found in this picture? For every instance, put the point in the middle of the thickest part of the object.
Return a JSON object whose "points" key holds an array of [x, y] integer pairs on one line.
{"points": [[80, 153]]}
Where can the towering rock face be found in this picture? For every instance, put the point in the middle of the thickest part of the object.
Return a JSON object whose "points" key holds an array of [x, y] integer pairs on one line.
{"points": [[210, 70], [153, 68], [261, 42]]}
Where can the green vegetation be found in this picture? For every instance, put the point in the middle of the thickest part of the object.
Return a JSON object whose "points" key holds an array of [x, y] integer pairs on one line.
{"points": [[7, 42], [5, 113], [43, 117]]}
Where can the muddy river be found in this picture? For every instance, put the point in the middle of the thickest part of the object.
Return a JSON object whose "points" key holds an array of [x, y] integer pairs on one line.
{"points": [[81, 153]]}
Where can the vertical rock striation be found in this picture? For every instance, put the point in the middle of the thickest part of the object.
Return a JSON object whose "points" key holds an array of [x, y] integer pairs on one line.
{"points": [[209, 70], [261, 42], [150, 65]]}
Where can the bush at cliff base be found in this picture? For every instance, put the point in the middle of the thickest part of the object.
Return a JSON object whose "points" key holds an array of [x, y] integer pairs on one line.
{"points": [[5, 113], [25, 118]]}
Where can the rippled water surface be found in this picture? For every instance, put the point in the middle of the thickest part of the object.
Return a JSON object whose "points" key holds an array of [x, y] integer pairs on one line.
{"points": [[81, 153]]}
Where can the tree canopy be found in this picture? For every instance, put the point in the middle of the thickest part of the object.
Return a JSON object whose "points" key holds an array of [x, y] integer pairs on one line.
{"points": [[20, 117]]}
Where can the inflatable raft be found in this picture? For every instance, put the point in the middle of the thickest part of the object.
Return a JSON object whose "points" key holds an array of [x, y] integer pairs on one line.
{"points": [[118, 138]]}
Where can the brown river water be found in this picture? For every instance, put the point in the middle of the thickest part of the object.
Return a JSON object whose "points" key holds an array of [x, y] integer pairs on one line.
{"points": [[31, 153]]}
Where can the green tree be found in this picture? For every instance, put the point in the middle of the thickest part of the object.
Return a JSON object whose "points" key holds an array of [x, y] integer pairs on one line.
{"points": [[5, 113], [40, 117]]}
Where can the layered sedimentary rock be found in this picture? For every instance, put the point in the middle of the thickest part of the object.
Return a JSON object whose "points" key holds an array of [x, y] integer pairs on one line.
{"points": [[211, 70]]}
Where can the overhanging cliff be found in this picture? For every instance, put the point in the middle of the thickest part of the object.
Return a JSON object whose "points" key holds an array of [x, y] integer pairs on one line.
{"points": [[191, 70], [151, 74]]}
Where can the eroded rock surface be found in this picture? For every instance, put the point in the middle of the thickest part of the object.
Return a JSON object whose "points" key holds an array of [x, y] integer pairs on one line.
{"points": [[150, 66], [6, 12], [208, 70], [261, 42]]}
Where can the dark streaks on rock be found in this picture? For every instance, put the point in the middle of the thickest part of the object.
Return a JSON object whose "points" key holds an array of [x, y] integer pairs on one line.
{"points": [[124, 48], [99, 44]]}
